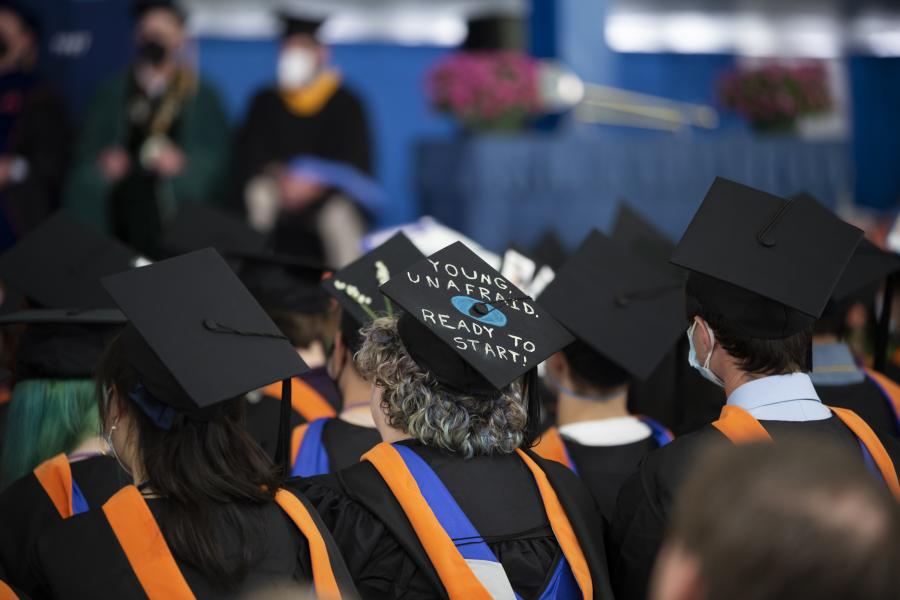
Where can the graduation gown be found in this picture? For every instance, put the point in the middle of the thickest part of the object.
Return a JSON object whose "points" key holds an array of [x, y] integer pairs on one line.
{"points": [[82, 558], [26, 511], [646, 498], [341, 442], [497, 493], [313, 396]]}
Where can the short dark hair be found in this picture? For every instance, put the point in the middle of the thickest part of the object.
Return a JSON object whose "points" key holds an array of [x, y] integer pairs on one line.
{"points": [[303, 329], [797, 519], [756, 355], [592, 370]]}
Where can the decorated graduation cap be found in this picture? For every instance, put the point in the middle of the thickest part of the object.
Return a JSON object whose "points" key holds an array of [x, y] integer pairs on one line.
{"points": [[632, 230], [199, 226], [197, 338], [282, 282], [293, 24], [618, 304], [355, 287], [472, 330], [60, 263], [766, 265], [62, 344]]}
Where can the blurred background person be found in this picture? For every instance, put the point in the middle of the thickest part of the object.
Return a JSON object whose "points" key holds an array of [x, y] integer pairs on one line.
{"points": [[34, 129], [777, 522], [310, 113], [154, 139]]}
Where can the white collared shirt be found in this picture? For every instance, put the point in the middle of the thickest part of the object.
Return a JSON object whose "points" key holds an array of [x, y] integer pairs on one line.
{"points": [[615, 431], [789, 397]]}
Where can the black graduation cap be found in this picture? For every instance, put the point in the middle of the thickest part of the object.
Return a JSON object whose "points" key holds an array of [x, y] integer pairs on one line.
{"points": [[62, 344], [469, 327], [618, 304], [632, 230], [200, 226], [196, 336], [299, 25], [284, 282], [356, 286], [59, 264], [766, 264]]}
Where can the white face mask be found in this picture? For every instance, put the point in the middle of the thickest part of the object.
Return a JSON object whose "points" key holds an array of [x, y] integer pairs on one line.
{"points": [[296, 68], [703, 369]]}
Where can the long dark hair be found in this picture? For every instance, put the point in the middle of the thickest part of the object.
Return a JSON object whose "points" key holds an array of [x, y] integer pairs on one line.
{"points": [[215, 478]]}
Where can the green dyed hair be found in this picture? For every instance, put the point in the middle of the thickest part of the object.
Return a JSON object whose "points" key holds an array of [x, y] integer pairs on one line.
{"points": [[46, 417]]}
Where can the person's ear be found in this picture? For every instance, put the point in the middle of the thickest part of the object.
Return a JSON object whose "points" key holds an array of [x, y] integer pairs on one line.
{"points": [[702, 340], [558, 368], [338, 358]]}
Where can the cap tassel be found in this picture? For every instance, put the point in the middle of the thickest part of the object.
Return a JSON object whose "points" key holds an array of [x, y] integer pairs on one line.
{"points": [[283, 451], [763, 236]]}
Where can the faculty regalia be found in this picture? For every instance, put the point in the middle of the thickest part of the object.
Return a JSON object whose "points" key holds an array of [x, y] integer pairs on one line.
{"points": [[196, 339], [625, 316], [414, 521], [751, 266], [56, 490]]}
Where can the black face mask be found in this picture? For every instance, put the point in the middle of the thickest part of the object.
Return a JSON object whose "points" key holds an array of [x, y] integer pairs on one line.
{"points": [[152, 53]]}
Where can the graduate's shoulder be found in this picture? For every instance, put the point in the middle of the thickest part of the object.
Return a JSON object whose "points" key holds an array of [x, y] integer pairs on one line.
{"points": [[665, 468]]}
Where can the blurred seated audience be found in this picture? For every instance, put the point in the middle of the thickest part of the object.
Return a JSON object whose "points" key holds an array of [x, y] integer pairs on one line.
{"points": [[155, 137], [310, 113], [779, 522], [34, 129]]}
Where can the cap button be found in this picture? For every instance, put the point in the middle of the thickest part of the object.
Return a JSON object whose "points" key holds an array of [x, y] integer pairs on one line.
{"points": [[479, 309]]}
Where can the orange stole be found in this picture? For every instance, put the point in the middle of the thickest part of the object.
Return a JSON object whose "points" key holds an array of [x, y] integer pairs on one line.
{"points": [[888, 386], [5, 395], [452, 569], [305, 400], [55, 476], [6, 592], [155, 567], [552, 447], [741, 427]]}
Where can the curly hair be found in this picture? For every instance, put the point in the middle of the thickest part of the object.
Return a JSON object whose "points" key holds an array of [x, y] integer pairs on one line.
{"points": [[414, 401]]}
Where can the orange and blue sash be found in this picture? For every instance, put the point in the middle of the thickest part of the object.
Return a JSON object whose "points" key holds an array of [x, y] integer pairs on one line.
{"points": [[450, 539], [889, 389], [55, 477], [310, 456], [741, 427]]}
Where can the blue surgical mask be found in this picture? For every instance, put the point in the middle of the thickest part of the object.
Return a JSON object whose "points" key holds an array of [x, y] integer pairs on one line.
{"points": [[703, 369]]}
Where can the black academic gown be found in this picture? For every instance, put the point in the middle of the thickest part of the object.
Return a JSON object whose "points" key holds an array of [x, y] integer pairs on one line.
{"points": [[263, 413], [866, 400], [81, 558], [646, 498], [605, 468], [345, 442], [497, 493], [26, 511]]}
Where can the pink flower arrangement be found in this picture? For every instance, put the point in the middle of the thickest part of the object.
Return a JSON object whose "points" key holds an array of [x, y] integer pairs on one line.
{"points": [[485, 90], [774, 96]]}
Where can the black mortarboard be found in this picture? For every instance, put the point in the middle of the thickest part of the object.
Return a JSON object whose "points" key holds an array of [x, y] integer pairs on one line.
{"points": [[632, 230], [616, 303], [299, 25], [284, 282], [469, 327], [199, 226], [59, 264], [62, 344], [196, 337], [356, 286], [765, 264]]}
